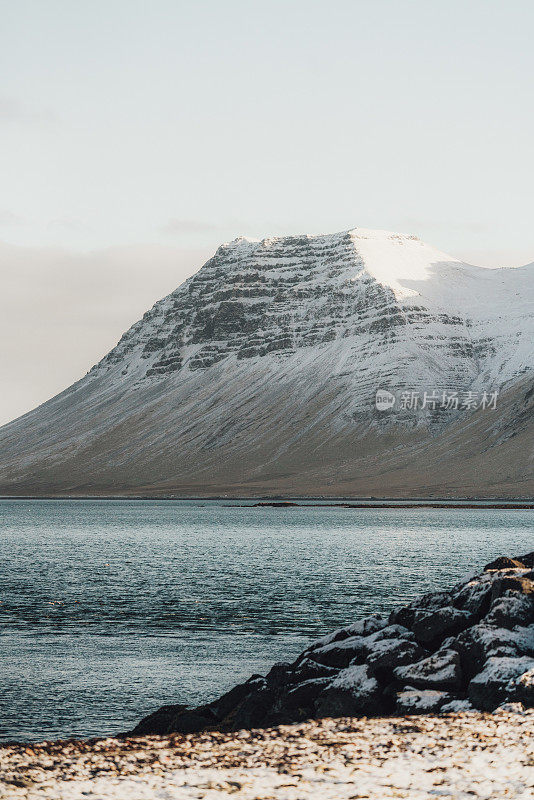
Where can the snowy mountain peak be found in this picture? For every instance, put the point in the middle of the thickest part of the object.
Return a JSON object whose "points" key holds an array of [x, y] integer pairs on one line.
{"points": [[262, 370], [378, 301], [392, 259]]}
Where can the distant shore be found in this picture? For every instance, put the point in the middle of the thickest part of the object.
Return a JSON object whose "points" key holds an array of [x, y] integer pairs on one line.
{"points": [[307, 501]]}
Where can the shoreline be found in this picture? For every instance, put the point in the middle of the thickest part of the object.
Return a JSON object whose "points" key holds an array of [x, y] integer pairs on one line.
{"points": [[518, 504], [450, 756]]}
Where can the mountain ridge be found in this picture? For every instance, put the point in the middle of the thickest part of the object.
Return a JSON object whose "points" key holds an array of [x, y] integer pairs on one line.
{"points": [[259, 374]]}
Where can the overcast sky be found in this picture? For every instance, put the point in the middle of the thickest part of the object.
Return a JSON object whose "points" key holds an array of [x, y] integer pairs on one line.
{"points": [[136, 136]]}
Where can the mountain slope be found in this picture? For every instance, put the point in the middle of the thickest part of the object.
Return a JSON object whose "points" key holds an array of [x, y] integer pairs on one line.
{"points": [[258, 375]]}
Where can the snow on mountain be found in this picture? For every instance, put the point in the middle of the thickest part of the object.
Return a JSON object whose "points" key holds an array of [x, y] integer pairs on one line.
{"points": [[273, 351]]}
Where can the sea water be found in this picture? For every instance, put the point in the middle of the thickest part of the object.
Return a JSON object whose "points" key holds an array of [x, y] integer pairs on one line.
{"points": [[109, 609]]}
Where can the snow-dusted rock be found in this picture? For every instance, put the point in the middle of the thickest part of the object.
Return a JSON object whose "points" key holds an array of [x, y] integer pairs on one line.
{"points": [[355, 649], [523, 688], [503, 562], [421, 701], [434, 626], [455, 706], [427, 602], [510, 708], [521, 581], [386, 654], [363, 627], [484, 641], [340, 653], [442, 669], [500, 680], [354, 691], [307, 668], [509, 610], [475, 596]]}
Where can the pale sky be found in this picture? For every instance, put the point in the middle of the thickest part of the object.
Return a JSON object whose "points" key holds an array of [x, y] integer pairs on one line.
{"points": [[136, 136]]}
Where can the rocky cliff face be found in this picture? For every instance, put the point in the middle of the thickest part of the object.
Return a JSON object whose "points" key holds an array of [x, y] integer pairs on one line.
{"points": [[259, 375]]}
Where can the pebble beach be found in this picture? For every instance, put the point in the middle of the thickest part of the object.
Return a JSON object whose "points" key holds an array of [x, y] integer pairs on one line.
{"points": [[463, 755]]}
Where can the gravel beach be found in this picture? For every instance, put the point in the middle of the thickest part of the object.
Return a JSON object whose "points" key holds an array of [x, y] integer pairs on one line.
{"points": [[462, 755]]}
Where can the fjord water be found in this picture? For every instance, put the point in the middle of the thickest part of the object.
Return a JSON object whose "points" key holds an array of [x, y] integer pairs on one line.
{"points": [[110, 609]]}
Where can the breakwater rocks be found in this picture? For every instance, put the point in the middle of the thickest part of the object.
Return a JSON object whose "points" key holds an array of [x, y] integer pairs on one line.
{"points": [[470, 647]]}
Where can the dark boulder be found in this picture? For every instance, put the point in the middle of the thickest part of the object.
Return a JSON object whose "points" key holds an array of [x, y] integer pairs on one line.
{"points": [[502, 679], [387, 654], [354, 691], [223, 705], [482, 642], [421, 701], [521, 583], [527, 560], [474, 597], [308, 669], [175, 719], [434, 626], [303, 695], [441, 670], [340, 653], [510, 609]]}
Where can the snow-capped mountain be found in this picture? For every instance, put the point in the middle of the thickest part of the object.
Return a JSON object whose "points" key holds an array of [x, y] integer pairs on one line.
{"points": [[259, 375]]}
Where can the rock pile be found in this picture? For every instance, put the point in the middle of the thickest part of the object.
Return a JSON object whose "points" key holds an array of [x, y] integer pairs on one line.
{"points": [[471, 647]]}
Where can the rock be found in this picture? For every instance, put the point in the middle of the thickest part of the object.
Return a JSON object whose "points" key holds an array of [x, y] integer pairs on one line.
{"points": [[223, 705], [405, 616], [511, 609], [456, 706], [253, 709], [387, 654], [476, 640], [175, 719], [504, 563], [308, 669], [483, 641], [363, 627], [521, 583], [527, 560], [354, 691], [368, 626], [441, 670], [421, 701], [305, 693], [523, 688], [340, 653], [510, 708], [280, 674], [392, 631], [499, 682], [355, 649], [435, 625], [475, 597]]}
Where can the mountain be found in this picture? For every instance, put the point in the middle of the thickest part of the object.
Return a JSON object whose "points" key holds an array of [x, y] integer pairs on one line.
{"points": [[258, 376]]}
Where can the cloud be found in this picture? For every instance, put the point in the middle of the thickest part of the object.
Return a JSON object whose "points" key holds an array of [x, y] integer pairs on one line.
{"points": [[68, 224], [443, 226], [62, 311], [13, 111], [8, 218], [175, 227]]}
